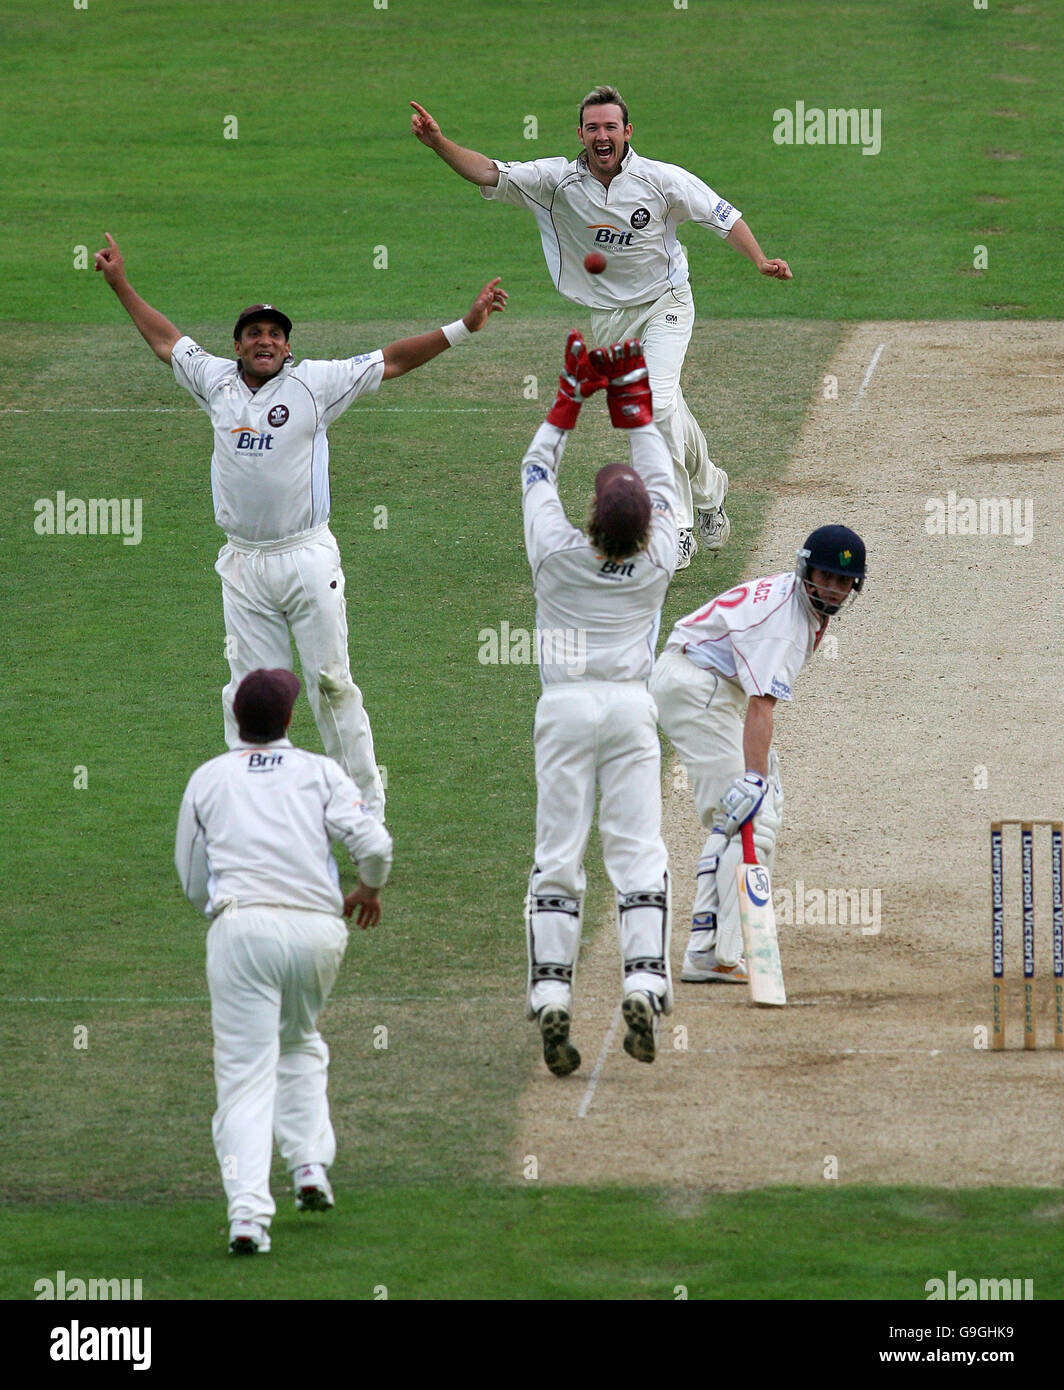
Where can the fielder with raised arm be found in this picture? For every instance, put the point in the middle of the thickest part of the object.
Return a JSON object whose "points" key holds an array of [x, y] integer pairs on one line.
{"points": [[598, 605], [280, 568], [614, 201], [253, 852], [716, 685]]}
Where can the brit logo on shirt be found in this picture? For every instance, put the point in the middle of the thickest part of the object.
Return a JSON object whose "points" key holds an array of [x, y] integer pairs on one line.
{"points": [[640, 218], [278, 416]]}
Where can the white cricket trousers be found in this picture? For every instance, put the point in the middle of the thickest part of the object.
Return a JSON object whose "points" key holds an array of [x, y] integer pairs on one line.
{"points": [[274, 593], [597, 738], [664, 326], [703, 715], [270, 970]]}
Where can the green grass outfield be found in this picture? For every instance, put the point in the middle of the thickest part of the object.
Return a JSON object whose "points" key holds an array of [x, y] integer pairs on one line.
{"points": [[476, 1242], [114, 119], [117, 115]]}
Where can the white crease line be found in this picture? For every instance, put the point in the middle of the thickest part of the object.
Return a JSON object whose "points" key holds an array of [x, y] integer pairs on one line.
{"points": [[589, 1094], [205, 999], [847, 1051], [179, 410], [868, 375]]}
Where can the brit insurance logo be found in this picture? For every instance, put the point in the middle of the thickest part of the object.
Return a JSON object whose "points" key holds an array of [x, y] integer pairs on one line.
{"points": [[640, 218], [277, 416], [252, 439], [606, 234]]}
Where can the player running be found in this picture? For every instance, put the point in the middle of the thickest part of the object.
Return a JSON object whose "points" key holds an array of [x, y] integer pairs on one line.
{"points": [[280, 567], [253, 852], [598, 604], [612, 200], [716, 685]]}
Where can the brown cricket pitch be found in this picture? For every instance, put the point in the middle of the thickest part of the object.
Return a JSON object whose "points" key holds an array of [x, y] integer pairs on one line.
{"points": [[906, 736]]}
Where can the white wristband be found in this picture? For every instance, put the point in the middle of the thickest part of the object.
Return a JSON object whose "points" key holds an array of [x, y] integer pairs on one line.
{"points": [[456, 332]]}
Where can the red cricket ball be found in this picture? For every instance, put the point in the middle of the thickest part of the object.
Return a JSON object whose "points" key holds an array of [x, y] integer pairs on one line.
{"points": [[594, 262]]}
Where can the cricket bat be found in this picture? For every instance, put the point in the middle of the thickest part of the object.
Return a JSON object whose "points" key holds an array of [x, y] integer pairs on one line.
{"points": [[758, 919]]}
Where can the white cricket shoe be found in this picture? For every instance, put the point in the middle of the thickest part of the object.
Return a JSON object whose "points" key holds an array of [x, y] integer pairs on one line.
{"points": [[559, 1054], [701, 967], [640, 1012], [248, 1238], [686, 545], [714, 528], [713, 525], [313, 1192]]}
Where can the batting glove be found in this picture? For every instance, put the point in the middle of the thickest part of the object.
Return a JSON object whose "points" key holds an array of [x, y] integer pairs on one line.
{"points": [[740, 802], [577, 381], [628, 388]]}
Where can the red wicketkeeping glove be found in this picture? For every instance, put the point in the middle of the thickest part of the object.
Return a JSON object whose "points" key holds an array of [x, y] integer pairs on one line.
{"points": [[627, 383], [577, 381]]}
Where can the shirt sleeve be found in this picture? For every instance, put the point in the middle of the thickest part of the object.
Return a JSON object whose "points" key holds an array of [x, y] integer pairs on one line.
{"points": [[197, 371], [190, 852], [651, 459], [531, 182], [547, 528], [695, 201], [768, 659], [338, 384], [348, 821]]}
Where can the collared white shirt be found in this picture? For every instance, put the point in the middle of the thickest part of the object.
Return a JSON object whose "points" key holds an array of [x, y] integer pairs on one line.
{"points": [[257, 824], [757, 634], [633, 223], [270, 466], [596, 619]]}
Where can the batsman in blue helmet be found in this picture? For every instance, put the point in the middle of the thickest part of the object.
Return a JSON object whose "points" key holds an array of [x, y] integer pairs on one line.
{"points": [[724, 668]]}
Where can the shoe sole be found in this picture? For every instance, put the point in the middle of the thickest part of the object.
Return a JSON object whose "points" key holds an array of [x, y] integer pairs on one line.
{"points": [[640, 1041], [559, 1054], [693, 978], [313, 1199], [244, 1245]]}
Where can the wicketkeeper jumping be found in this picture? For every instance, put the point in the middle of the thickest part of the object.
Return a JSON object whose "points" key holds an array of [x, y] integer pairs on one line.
{"points": [[598, 602]]}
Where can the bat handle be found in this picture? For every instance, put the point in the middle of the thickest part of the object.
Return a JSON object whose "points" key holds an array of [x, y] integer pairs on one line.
{"points": [[747, 832]]}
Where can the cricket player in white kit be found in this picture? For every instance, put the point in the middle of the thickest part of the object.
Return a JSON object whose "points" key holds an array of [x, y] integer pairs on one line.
{"points": [[716, 685], [614, 201], [598, 605], [253, 852], [280, 567]]}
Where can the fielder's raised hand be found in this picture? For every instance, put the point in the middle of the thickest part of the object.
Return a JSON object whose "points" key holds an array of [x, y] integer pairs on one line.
{"points": [[424, 126], [490, 300], [627, 383], [578, 380], [109, 260]]}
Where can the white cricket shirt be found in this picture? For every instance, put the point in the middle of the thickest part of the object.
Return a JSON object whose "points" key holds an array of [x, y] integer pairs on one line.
{"points": [[270, 466], [757, 634], [596, 619], [633, 223], [256, 825]]}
